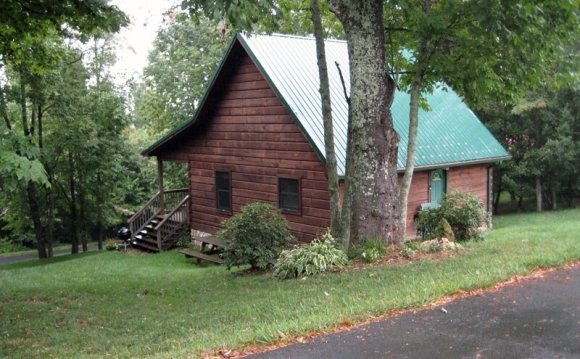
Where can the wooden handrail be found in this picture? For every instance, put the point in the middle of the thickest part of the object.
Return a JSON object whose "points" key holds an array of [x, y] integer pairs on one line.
{"points": [[183, 201], [177, 190], [165, 229], [138, 213]]}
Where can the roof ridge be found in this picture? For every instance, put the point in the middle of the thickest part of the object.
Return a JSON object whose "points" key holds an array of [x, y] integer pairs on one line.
{"points": [[289, 36]]}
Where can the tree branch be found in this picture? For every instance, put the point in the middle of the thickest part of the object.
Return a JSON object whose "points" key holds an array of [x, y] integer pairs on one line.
{"points": [[397, 29], [343, 84]]}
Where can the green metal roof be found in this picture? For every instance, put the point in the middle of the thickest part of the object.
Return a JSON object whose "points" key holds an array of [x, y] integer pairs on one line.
{"points": [[449, 134]]}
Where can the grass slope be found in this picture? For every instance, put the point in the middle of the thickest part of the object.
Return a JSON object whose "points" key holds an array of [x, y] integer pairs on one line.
{"points": [[111, 304]]}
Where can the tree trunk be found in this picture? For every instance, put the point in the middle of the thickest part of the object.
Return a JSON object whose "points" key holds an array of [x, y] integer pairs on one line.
{"points": [[415, 96], [49, 235], [73, 226], [331, 169], [538, 194], [83, 217], [4, 109], [31, 190], [411, 146], [36, 222], [554, 198], [372, 163], [499, 180], [50, 222], [23, 108], [99, 208]]}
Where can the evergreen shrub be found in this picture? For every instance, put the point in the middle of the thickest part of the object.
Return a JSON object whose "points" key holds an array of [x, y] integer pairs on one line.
{"points": [[463, 212], [255, 236]]}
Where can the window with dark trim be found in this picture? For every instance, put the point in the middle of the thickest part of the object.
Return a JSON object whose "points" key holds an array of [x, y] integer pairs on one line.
{"points": [[289, 195], [223, 191]]}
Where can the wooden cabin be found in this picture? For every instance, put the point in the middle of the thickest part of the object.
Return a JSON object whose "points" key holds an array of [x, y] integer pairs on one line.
{"points": [[258, 136]]}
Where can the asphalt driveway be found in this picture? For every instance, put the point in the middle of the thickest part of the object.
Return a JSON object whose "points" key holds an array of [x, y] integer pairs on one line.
{"points": [[535, 318], [15, 258]]}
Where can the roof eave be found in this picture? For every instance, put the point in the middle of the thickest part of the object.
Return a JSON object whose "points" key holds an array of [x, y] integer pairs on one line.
{"points": [[478, 161]]}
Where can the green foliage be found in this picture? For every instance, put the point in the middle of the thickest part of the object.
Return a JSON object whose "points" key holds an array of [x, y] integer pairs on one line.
{"points": [[369, 250], [111, 245], [542, 134], [255, 236], [316, 257], [8, 246], [408, 252], [26, 26], [183, 60], [463, 212], [444, 230]]}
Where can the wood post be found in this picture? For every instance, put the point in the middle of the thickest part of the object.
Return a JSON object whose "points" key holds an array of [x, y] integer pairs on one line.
{"points": [[160, 184]]}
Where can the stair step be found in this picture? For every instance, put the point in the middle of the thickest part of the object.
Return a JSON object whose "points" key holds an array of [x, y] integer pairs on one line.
{"points": [[147, 246], [189, 253], [148, 239], [211, 240]]}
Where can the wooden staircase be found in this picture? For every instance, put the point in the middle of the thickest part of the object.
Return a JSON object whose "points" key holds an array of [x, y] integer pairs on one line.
{"points": [[162, 221]]}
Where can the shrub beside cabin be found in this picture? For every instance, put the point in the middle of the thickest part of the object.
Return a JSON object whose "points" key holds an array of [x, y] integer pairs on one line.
{"points": [[258, 136]]}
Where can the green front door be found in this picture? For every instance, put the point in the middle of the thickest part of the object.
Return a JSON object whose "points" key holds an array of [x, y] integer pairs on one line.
{"points": [[437, 185]]}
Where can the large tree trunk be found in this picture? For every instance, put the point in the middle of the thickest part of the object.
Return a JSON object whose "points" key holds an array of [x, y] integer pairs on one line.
{"points": [[372, 163], [538, 194], [331, 170]]}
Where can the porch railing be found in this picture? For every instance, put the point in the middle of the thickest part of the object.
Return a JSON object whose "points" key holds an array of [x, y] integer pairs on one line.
{"points": [[173, 224], [158, 205]]}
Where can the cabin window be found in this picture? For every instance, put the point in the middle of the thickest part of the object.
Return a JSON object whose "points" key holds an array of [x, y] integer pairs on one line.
{"points": [[289, 195], [223, 191]]}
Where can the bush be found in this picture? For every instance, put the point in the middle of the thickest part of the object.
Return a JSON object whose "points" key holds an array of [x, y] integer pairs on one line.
{"points": [[408, 252], [463, 212], [444, 230], [369, 250], [254, 236], [7, 246], [110, 245], [318, 256]]}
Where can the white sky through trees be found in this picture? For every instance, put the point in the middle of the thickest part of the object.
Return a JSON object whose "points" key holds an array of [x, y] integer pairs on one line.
{"points": [[135, 41]]}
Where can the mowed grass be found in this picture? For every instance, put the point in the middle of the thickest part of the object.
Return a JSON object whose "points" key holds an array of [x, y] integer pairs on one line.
{"points": [[161, 306]]}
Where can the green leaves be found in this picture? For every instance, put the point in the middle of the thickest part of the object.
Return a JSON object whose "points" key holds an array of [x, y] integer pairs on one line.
{"points": [[181, 64], [21, 169], [316, 257], [255, 236]]}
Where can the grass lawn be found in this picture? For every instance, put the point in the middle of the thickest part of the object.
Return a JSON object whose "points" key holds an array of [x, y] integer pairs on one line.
{"points": [[111, 304]]}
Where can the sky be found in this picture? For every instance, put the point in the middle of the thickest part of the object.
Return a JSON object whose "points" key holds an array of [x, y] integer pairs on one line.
{"points": [[135, 41]]}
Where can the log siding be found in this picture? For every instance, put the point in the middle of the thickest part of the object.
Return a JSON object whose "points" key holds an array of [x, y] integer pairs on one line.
{"points": [[245, 129], [249, 133], [463, 179]]}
